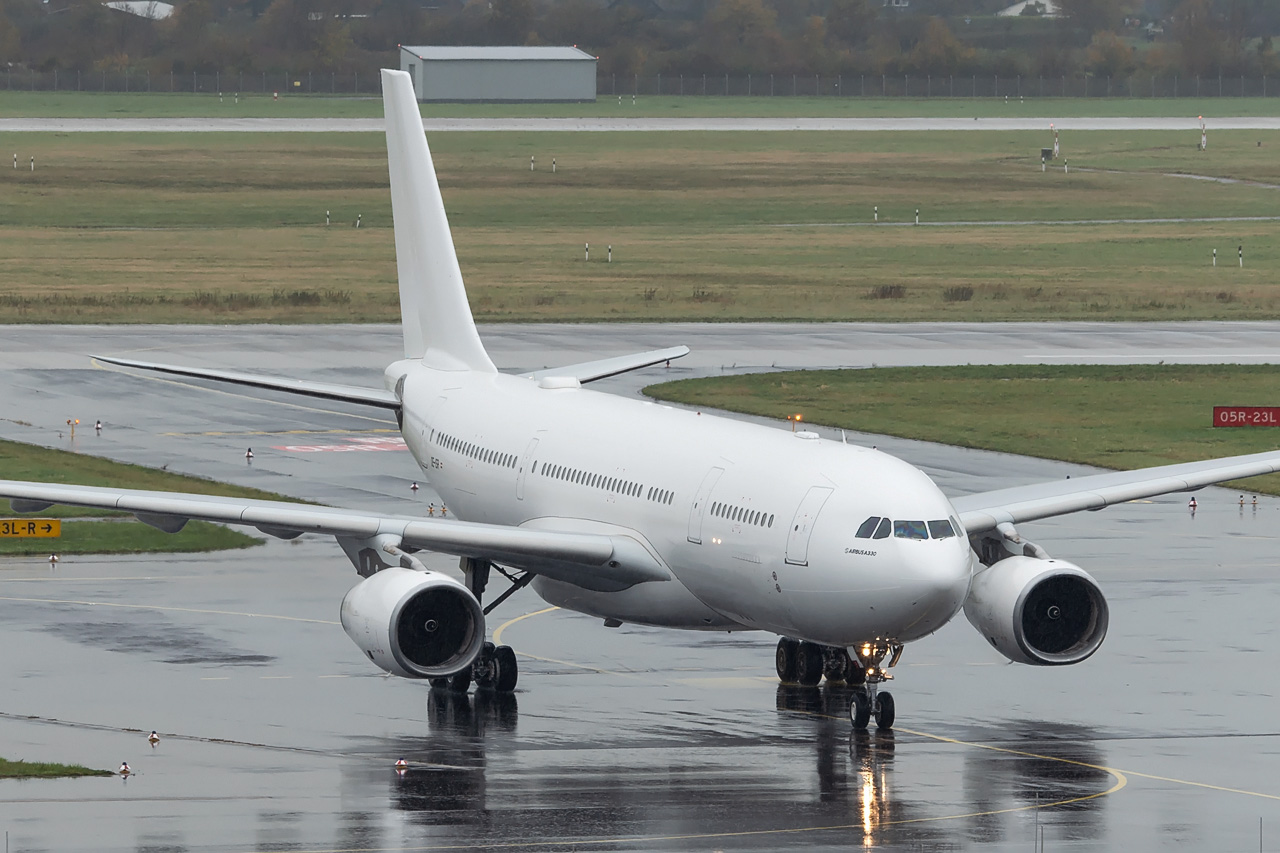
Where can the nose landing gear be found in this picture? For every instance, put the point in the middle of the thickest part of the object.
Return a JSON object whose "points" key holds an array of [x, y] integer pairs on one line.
{"points": [[804, 663], [871, 701]]}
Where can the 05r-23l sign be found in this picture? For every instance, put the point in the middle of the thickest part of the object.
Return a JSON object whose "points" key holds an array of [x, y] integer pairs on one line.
{"points": [[1246, 416], [30, 528]]}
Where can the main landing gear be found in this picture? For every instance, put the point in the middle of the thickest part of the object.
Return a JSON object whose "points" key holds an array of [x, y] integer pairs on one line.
{"points": [[805, 663], [495, 668]]}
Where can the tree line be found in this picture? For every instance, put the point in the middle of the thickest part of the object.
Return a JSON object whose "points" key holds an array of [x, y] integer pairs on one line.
{"points": [[1111, 38]]}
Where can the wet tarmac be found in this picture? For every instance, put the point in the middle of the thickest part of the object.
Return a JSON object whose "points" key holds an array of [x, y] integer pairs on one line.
{"points": [[277, 735]]}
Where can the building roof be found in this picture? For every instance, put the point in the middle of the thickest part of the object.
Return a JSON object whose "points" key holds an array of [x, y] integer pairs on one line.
{"points": [[152, 9], [497, 54]]}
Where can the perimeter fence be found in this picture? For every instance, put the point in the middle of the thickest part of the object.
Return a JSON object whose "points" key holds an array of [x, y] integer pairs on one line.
{"points": [[950, 86], [735, 85]]}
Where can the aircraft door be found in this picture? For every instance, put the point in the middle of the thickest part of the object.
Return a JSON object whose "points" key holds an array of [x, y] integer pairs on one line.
{"points": [[699, 504], [525, 462], [802, 525]]}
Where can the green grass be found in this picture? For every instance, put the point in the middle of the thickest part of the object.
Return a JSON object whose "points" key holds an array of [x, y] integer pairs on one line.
{"points": [[112, 532], [19, 461], [704, 226], [1119, 417], [109, 536], [44, 770], [65, 104]]}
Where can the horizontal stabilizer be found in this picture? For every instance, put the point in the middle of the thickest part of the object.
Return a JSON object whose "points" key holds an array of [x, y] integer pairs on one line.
{"points": [[589, 371], [324, 390]]}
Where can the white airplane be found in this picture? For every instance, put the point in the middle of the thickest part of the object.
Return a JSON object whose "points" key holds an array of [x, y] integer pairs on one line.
{"points": [[637, 512]]}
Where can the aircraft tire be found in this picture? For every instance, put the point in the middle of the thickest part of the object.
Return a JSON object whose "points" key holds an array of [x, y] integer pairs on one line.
{"points": [[885, 711], [860, 710], [809, 664], [785, 659], [460, 682], [485, 668], [508, 669]]}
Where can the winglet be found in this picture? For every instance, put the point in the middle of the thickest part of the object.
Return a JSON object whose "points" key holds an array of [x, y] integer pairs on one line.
{"points": [[436, 318]]}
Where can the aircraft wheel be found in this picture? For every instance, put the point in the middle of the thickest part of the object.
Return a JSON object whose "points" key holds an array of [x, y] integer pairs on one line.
{"points": [[885, 711], [860, 710], [508, 670], [809, 664], [485, 668], [439, 683], [460, 682], [786, 659], [838, 667], [855, 675]]}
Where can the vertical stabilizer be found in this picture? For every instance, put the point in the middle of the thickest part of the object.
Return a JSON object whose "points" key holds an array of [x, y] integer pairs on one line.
{"points": [[436, 317]]}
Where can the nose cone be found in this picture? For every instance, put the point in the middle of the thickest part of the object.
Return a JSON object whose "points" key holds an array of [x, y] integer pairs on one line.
{"points": [[935, 582]]}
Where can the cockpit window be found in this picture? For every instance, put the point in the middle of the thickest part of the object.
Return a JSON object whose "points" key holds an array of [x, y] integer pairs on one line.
{"points": [[941, 529], [885, 528], [910, 530], [868, 527]]}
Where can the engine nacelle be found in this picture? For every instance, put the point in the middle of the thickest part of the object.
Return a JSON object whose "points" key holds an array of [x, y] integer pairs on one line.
{"points": [[1043, 612], [414, 624]]}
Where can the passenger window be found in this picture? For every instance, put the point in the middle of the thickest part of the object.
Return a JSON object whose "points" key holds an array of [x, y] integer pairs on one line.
{"points": [[868, 527], [940, 529], [910, 530], [883, 531]]}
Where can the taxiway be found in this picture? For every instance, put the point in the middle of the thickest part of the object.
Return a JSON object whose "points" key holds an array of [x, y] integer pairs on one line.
{"points": [[277, 735]]}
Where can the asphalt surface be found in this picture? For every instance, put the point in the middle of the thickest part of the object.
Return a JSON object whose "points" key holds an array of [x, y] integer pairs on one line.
{"points": [[277, 735], [621, 124]]}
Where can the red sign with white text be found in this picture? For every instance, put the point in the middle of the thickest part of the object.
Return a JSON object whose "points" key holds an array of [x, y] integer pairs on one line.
{"points": [[1246, 416]]}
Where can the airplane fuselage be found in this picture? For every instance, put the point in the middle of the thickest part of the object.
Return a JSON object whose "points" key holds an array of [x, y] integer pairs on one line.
{"points": [[757, 525]]}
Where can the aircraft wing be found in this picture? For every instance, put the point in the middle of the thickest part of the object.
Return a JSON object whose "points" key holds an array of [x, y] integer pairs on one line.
{"points": [[323, 390], [983, 511], [613, 561], [590, 371]]}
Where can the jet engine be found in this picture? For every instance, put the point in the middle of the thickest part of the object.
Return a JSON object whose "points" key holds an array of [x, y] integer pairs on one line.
{"points": [[414, 624], [1043, 612]]}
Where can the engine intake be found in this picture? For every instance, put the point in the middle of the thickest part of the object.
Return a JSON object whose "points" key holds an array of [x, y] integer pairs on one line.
{"points": [[1042, 612], [414, 624]]}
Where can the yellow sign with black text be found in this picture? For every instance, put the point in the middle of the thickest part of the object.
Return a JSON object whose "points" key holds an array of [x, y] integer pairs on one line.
{"points": [[30, 528]]}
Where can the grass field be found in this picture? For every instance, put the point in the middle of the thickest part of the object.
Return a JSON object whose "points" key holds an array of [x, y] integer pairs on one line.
{"points": [[10, 769], [110, 532], [112, 536], [1111, 416], [65, 104], [704, 226]]}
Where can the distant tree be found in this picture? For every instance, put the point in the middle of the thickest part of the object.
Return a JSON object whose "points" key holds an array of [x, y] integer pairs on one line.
{"points": [[850, 21], [1201, 44], [1094, 15], [739, 35], [938, 51], [812, 53], [10, 38], [510, 21], [1109, 55]]}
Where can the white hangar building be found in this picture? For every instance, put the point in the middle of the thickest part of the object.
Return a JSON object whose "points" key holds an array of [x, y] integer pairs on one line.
{"points": [[498, 74]]}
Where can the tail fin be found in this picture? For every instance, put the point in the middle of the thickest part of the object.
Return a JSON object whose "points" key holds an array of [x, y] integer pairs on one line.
{"points": [[437, 322]]}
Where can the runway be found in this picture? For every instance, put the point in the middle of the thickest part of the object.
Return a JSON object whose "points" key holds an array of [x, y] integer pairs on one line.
{"points": [[277, 735], [624, 125]]}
